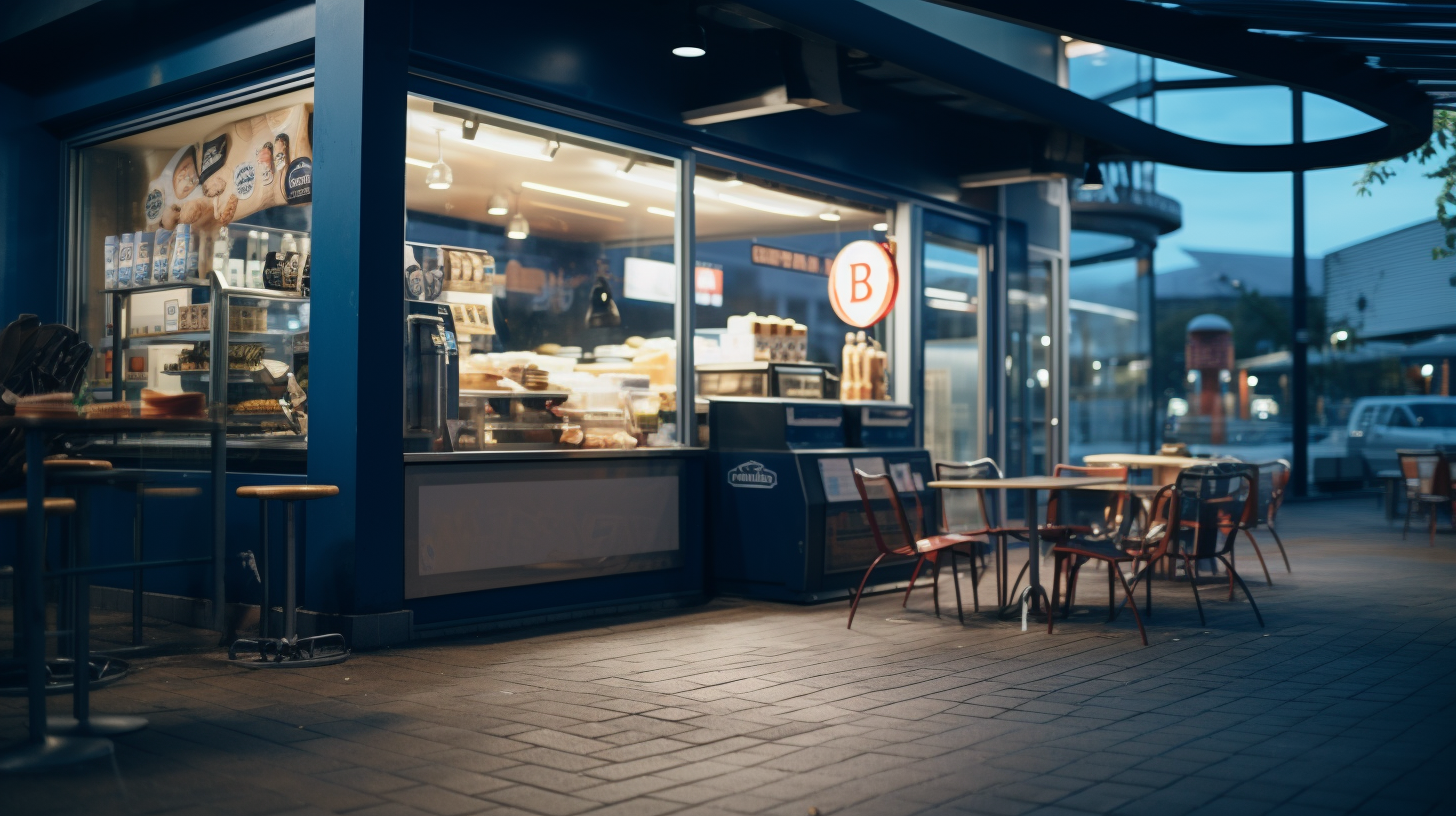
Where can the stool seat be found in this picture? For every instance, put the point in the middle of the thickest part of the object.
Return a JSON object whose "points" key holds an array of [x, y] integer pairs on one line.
{"points": [[71, 464], [56, 506], [288, 492]]}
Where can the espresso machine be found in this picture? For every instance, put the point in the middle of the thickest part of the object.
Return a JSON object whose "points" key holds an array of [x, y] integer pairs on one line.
{"points": [[432, 377]]}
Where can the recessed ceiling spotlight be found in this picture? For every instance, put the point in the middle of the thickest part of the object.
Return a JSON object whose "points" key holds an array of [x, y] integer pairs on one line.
{"points": [[882, 227], [1065, 38], [439, 177]]}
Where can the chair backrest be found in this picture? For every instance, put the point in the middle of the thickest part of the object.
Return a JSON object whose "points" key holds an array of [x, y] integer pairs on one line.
{"points": [[1270, 479], [1419, 469], [1156, 539], [879, 488], [966, 511], [1096, 511], [1211, 502]]}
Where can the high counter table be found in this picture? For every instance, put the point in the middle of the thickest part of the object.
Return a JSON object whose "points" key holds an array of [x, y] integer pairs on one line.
{"points": [[1030, 485], [41, 751]]}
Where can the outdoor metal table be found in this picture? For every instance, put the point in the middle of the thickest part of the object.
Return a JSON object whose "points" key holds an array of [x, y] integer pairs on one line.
{"points": [[42, 751], [1030, 485], [1165, 468]]}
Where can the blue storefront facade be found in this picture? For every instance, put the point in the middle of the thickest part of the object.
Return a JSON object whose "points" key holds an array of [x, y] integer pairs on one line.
{"points": [[807, 119]]}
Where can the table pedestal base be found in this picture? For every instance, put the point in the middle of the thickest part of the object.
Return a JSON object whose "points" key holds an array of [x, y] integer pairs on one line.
{"points": [[54, 752]]}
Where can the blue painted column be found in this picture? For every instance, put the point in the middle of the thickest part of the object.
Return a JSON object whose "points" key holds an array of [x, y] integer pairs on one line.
{"points": [[355, 542]]}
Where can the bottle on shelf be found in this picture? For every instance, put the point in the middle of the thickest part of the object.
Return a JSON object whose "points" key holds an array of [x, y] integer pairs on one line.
{"points": [[257, 245], [288, 244]]}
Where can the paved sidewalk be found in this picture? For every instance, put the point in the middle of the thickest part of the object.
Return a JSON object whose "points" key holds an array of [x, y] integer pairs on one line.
{"points": [[1346, 703]]}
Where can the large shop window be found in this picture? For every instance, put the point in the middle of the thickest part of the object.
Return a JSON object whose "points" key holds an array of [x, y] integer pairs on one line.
{"points": [[191, 238], [764, 323], [540, 288]]}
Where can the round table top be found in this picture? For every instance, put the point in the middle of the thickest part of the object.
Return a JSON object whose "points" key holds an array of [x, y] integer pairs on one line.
{"points": [[1143, 490], [1143, 460], [1026, 483]]}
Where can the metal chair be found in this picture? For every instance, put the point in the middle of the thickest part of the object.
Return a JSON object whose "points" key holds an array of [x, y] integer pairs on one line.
{"points": [[1426, 484], [1092, 517], [1209, 503], [1270, 481], [967, 513], [289, 651], [1114, 550], [922, 549]]}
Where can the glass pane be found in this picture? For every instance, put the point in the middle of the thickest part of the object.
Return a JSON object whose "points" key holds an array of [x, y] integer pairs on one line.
{"points": [[763, 253], [952, 275], [1229, 115], [539, 283], [1028, 370], [1108, 359], [169, 220]]}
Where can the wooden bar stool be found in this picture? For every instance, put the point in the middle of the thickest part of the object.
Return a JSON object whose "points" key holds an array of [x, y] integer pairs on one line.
{"points": [[289, 651], [15, 508]]}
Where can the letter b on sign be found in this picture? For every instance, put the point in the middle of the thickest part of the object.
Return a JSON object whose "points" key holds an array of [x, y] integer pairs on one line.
{"points": [[863, 283]]}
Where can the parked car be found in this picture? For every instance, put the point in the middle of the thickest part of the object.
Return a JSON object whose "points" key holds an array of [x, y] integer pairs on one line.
{"points": [[1379, 426]]}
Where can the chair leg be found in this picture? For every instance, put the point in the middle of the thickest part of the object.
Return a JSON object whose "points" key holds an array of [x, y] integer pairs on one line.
{"points": [[1245, 588], [1143, 633], [935, 581], [1249, 534], [1057, 564], [1280, 544], [1435, 508], [1148, 591], [975, 583], [913, 575], [1074, 576], [1193, 582], [955, 581], [1111, 593], [1409, 505], [1012, 595], [858, 593]]}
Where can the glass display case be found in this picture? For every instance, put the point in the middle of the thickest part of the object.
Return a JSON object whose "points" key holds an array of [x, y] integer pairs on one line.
{"points": [[765, 379]]}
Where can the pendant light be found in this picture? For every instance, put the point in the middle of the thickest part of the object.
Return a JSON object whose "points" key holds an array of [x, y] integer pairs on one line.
{"points": [[518, 228], [688, 39], [601, 311], [498, 205], [439, 176], [1093, 179]]}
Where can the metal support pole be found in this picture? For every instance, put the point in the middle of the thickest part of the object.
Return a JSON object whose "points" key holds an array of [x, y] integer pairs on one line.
{"points": [[137, 529], [1299, 323], [32, 550], [266, 606], [219, 515]]}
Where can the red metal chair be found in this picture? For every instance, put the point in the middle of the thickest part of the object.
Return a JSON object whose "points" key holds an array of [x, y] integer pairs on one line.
{"points": [[967, 513], [908, 546], [1426, 483], [1208, 506], [1270, 479]]}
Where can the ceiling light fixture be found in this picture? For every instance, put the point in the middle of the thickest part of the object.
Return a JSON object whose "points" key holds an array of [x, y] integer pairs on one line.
{"points": [[688, 39], [829, 215], [1065, 38], [416, 162], [549, 150], [602, 309], [498, 205], [661, 211], [1093, 179], [881, 227], [440, 177], [468, 129], [519, 228], [546, 188]]}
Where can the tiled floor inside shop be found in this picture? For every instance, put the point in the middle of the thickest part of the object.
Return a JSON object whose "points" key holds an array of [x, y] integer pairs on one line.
{"points": [[1347, 702]]}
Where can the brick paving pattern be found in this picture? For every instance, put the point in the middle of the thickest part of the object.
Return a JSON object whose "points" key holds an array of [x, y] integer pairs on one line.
{"points": [[1346, 703]]}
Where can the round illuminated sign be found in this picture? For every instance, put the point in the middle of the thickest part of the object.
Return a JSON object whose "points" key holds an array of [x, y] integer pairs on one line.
{"points": [[863, 283]]}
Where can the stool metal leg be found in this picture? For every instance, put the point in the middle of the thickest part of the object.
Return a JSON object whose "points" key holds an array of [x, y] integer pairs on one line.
{"points": [[83, 723], [290, 581], [265, 609]]}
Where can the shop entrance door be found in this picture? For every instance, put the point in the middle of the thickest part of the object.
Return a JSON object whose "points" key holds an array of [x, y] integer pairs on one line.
{"points": [[953, 290]]}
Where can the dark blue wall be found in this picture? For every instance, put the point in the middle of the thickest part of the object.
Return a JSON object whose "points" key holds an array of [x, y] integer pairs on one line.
{"points": [[30, 212]]}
